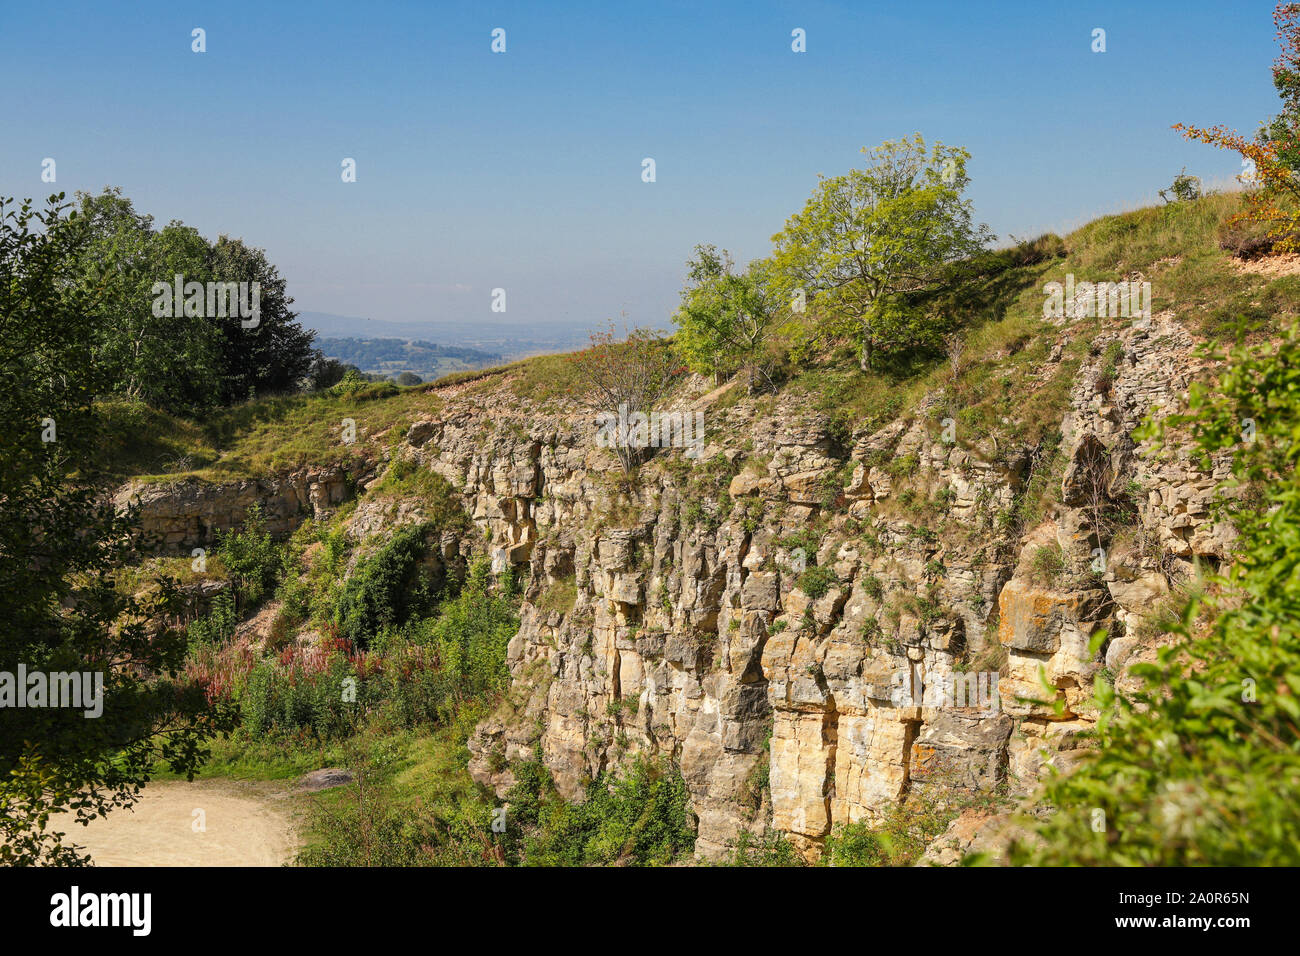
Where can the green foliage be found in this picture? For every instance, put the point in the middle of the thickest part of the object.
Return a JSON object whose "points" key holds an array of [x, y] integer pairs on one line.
{"points": [[366, 823], [218, 625], [1047, 565], [1202, 765], [640, 817], [898, 840], [771, 849], [350, 384], [1183, 189], [472, 631], [439, 501], [61, 544], [387, 588], [867, 239], [726, 317], [1283, 131], [253, 559], [420, 675], [181, 363], [282, 700], [816, 581]]}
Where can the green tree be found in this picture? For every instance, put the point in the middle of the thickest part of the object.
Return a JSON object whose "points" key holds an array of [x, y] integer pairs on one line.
{"points": [[726, 316], [273, 356], [171, 361], [866, 239], [327, 372], [59, 545], [175, 361]]}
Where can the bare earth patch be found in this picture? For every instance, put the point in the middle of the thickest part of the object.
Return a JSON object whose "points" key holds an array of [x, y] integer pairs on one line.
{"points": [[1273, 267], [244, 824]]}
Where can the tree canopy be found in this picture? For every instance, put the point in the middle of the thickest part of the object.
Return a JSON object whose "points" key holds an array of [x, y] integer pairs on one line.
{"points": [[870, 236], [726, 316], [59, 543], [180, 362]]}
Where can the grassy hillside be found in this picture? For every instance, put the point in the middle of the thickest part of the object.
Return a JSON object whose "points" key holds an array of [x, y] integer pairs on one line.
{"points": [[997, 299]]}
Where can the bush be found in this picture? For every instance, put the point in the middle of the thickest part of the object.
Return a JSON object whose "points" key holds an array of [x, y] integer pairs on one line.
{"points": [[642, 817], [472, 632], [1202, 765], [218, 625], [898, 838], [363, 825], [1245, 240], [252, 558], [771, 849], [1047, 565], [1183, 189], [351, 383], [288, 699], [387, 588], [817, 581]]}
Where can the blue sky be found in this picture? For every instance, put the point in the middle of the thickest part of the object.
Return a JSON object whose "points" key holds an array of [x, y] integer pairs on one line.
{"points": [[522, 170]]}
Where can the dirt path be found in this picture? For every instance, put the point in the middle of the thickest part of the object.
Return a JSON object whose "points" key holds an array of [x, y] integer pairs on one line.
{"points": [[243, 824]]}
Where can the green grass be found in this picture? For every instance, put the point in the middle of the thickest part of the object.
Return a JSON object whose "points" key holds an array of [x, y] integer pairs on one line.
{"points": [[1000, 388], [240, 757], [256, 438]]}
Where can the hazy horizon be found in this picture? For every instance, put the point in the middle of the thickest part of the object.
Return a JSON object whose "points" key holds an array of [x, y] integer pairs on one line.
{"points": [[521, 170]]}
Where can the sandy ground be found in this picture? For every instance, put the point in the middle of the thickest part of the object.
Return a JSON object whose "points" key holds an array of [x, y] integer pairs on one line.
{"points": [[244, 824]]}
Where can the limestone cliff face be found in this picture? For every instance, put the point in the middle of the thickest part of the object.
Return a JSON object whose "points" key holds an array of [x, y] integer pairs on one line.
{"points": [[189, 513], [672, 612]]}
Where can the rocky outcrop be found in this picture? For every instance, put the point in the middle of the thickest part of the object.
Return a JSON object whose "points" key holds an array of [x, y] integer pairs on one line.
{"points": [[911, 659], [188, 513]]}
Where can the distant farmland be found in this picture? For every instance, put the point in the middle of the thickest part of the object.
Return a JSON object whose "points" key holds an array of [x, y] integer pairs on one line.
{"points": [[391, 357]]}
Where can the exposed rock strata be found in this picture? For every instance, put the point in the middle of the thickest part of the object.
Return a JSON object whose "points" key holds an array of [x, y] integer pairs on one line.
{"points": [[665, 613]]}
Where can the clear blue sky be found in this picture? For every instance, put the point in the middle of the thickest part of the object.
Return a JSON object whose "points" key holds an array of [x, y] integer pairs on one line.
{"points": [[523, 170]]}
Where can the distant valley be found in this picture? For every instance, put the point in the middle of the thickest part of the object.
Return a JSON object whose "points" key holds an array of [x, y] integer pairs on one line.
{"points": [[501, 341], [392, 357]]}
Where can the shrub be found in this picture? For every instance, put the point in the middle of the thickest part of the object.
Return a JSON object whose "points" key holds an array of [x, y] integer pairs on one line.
{"points": [[1047, 565], [897, 838], [1183, 189], [771, 849], [472, 632], [817, 581], [218, 625], [640, 817], [288, 699], [351, 383], [387, 588], [251, 556]]}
